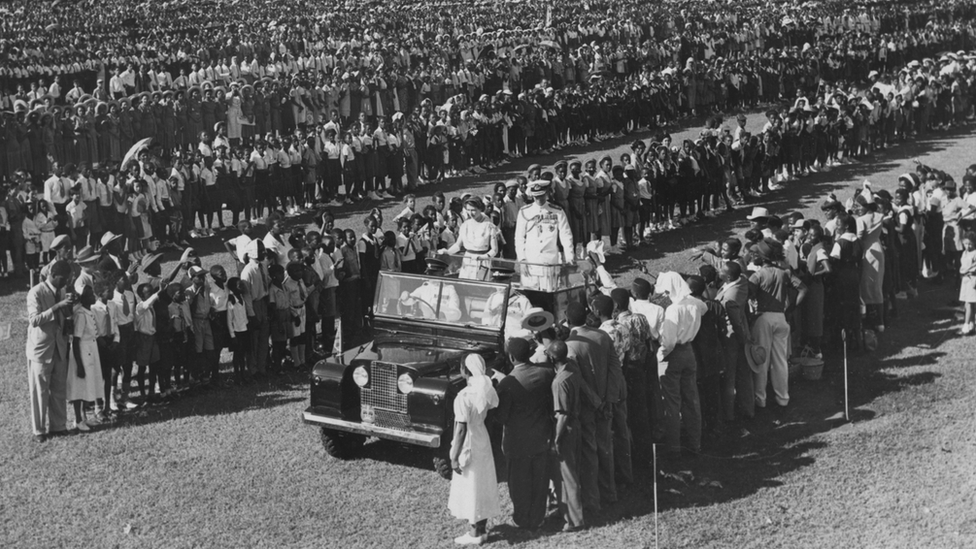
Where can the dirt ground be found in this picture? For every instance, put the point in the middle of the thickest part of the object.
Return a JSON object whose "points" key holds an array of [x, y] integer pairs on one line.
{"points": [[237, 468]]}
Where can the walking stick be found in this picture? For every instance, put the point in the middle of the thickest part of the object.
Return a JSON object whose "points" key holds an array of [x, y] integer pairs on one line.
{"points": [[654, 460], [843, 337]]}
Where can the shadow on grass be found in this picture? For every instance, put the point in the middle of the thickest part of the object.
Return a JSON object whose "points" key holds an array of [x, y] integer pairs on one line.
{"points": [[228, 399]]}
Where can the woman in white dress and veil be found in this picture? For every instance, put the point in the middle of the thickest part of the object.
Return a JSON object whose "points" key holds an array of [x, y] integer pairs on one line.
{"points": [[474, 486]]}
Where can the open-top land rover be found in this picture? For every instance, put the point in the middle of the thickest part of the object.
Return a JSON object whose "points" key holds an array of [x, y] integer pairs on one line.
{"points": [[401, 385]]}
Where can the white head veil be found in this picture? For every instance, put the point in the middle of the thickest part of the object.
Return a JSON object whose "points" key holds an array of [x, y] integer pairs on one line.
{"points": [[482, 394], [674, 285]]}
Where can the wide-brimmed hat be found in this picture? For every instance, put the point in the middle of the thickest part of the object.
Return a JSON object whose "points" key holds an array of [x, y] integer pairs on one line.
{"points": [[758, 213], [148, 260], [537, 319], [186, 254], [756, 353], [108, 238], [86, 255], [59, 241]]}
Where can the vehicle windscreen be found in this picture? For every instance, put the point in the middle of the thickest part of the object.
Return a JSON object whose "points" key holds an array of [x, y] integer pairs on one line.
{"points": [[451, 301]]}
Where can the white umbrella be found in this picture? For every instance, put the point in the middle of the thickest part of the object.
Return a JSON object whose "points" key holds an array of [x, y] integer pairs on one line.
{"points": [[134, 150]]}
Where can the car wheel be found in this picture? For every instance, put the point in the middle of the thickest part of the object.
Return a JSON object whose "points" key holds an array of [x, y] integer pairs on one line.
{"points": [[443, 467], [341, 445]]}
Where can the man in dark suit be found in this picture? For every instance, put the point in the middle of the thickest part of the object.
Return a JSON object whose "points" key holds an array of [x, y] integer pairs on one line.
{"points": [[525, 410], [47, 351], [593, 352], [737, 383]]}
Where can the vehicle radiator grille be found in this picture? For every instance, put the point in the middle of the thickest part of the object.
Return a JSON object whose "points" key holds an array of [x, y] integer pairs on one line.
{"points": [[389, 404]]}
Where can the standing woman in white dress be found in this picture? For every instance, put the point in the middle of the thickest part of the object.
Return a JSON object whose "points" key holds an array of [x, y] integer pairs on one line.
{"points": [[474, 487], [85, 382], [478, 238], [234, 116]]}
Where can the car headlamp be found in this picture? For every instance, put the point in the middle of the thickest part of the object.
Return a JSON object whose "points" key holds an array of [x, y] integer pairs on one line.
{"points": [[405, 384], [360, 376]]}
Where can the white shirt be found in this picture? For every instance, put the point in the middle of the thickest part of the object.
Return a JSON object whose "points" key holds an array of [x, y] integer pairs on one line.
{"points": [[654, 314], [681, 323]]}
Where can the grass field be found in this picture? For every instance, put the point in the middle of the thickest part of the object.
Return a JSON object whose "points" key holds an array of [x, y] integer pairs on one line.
{"points": [[237, 468]]}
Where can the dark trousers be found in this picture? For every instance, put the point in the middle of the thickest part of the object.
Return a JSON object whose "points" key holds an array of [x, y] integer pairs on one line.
{"points": [[622, 461], [127, 341], [528, 486], [260, 330], [681, 406], [638, 418], [352, 311], [566, 479], [596, 459]]}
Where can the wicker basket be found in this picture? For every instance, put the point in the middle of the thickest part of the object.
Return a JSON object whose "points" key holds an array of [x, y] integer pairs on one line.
{"points": [[812, 368]]}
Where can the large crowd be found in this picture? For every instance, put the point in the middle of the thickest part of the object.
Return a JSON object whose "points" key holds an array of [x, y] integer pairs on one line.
{"points": [[293, 114], [373, 101]]}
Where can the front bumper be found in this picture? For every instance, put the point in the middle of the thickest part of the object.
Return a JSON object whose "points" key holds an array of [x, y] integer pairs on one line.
{"points": [[368, 429]]}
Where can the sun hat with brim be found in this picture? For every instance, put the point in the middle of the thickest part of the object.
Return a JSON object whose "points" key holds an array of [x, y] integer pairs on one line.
{"points": [[537, 319], [756, 354], [108, 238], [196, 271], [186, 254], [60, 240], [86, 255], [758, 213], [148, 260], [769, 249]]}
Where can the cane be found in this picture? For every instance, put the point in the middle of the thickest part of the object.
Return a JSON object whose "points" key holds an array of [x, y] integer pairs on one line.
{"points": [[843, 337], [654, 462]]}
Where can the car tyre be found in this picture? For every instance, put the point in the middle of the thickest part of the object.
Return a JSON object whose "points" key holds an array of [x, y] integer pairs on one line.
{"points": [[341, 445], [443, 467]]}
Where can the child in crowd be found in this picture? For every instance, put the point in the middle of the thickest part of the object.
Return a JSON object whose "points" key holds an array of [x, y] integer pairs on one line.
{"points": [[218, 318], [105, 314], [297, 292], [32, 239], [408, 244], [237, 328], [330, 284], [280, 313], [76, 218], [967, 285], [4, 238], [181, 334], [201, 309], [146, 347], [46, 223], [409, 207]]}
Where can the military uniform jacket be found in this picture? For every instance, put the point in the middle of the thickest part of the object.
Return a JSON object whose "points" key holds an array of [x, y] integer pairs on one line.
{"points": [[539, 231]]}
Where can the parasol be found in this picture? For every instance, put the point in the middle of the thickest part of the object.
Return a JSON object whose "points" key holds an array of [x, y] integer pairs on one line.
{"points": [[550, 44], [140, 146]]}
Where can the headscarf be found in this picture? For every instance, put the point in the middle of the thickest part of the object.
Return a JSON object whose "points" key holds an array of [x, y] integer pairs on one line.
{"points": [[674, 285], [481, 394]]}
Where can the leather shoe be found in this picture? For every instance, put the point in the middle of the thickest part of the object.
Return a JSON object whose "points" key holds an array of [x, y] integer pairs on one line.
{"points": [[40, 438]]}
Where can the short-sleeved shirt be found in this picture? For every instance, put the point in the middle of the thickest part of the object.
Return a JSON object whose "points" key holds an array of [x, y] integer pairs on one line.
{"points": [[566, 392], [770, 287]]}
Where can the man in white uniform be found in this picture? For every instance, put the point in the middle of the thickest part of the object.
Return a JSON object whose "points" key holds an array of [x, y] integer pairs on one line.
{"points": [[540, 229]]}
